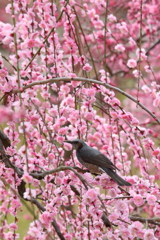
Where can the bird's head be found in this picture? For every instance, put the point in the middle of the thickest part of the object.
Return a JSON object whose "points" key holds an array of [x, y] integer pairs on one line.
{"points": [[77, 143]]}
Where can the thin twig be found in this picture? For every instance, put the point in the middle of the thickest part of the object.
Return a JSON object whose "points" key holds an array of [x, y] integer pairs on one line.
{"points": [[153, 46], [121, 197]]}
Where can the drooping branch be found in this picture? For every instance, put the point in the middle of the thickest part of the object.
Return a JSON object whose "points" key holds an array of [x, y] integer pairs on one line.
{"points": [[54, 223], [66, 79], [155, 221], [4, 141]]}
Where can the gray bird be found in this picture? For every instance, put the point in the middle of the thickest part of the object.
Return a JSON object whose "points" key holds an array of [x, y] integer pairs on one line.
{"points": [[95, 161]]}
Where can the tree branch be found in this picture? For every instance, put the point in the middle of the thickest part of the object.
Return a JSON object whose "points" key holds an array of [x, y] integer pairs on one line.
{"points": [[155, 221], [52, 80]]}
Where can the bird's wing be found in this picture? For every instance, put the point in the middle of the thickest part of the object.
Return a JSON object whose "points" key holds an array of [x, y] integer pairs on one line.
{"points": [[93, 156]]}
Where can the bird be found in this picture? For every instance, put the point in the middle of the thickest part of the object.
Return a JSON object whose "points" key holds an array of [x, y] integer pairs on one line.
{"points": [[95, 161]]}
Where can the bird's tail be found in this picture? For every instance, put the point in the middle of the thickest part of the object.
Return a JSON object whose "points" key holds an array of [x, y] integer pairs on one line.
{"points": [[120, 181]]}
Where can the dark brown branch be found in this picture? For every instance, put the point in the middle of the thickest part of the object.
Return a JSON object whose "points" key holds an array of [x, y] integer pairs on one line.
{"points": [[123, 190], [155, 221], [58, 169]]}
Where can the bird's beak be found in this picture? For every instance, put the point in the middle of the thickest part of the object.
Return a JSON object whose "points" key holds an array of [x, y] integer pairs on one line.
{"points": [[69, 141]]}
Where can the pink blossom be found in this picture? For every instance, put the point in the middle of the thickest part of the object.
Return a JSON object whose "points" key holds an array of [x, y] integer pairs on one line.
{"points": [[104, 181], [34, 232], [102, 72], [87, 67], [45, 95], [113, 217], [131, 63], [156, 209], [132, 42], [65, 89], [89, 116], [90, 196], [68, 236], [91, 13], [27, 178], [148, 143], [35, 183], [97, 23], [6, 87], [31, 43], [141, 54], [29, 193], [82, 60], [96, 233], [149, 234], [15, 204], [13, 226], [67, 146], [151, 199], [122, 206], [156, 152], [58, 181], [70, 101], [146, 89], [148, 69], [156, 101], [136, 228], [112, 18], [34, 119], [46, 218], [11, 235], [51, 156], [56, 127], [114, 102], [138, 200], [119, 48], [62, 120], [75, 83], [90, 92], [63, 131], [60, 139], [53, 112], [3, 73], [72, 75], [72, 119], [136, 73], [122, 27], [125, 232]]}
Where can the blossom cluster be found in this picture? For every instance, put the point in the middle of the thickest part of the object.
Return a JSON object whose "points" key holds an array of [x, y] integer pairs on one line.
{"points": [[87, 70]]}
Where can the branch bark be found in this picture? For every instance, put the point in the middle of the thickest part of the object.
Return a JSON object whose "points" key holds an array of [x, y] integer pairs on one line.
{"points": [[155, 221]]}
